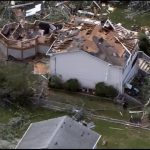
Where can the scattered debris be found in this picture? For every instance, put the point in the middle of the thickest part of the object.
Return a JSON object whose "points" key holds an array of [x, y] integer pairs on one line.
{"points": [[148, 102], [105, 143], [121, 113], [90, 125], [115, 128]]}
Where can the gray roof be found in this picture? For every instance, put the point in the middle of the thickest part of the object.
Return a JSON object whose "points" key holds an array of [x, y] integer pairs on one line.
{"points": [[58, 133]]}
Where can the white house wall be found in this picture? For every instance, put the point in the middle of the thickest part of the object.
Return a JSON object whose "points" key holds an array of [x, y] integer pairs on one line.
{"points": [[15, 53], [29, 53], [88, 69], [115, 77]]}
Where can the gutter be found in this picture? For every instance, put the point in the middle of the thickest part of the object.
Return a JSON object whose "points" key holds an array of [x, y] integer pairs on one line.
{"points": [[107, 72], [23, 136], [96, 142]]}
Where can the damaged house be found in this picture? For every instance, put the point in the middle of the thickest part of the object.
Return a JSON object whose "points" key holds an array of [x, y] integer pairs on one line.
{"points": [[93, 52], [23, 40]]}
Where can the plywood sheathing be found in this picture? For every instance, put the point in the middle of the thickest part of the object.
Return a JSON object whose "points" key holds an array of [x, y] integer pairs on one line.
{"points": [[97, 31]]}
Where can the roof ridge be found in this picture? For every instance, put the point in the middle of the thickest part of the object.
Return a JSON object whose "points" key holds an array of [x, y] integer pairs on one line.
{"points": [[57, 128]]}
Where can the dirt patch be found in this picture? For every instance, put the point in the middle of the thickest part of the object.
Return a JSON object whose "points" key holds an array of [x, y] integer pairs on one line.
{"points": [[40, 68]]}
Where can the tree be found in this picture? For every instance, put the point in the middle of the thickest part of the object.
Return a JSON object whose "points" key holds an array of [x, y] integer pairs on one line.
{"points": [[72, 85], [16, 84], [145, 89], [144, 44]]}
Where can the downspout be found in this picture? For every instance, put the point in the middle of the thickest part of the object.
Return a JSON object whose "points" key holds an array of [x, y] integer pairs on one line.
{"points": [[106, 77]]}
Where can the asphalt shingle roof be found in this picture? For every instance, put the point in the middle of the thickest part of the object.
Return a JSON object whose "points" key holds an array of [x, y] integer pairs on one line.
{"points": [[58, 133]]}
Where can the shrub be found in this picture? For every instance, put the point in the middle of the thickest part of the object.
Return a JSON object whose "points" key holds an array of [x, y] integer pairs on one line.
{"points": [[144, 44], [72, 85], [55, 82], [16, 85], [100, 89], [105, 91]]}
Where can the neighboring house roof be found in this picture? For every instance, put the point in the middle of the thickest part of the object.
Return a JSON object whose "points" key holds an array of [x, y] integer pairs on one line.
{"points": [[25, 35], [102, 42], [62, 132]]}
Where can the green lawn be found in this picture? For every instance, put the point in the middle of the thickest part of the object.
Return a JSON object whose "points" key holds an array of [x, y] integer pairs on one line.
{"points": [[124, 137], [108, 108], [118, 16], [5, 115], [33, 115]]}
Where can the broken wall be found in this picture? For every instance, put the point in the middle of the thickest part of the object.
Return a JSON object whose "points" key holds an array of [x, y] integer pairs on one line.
{"points": [[29, 52], [15, 53], [42, 49]]}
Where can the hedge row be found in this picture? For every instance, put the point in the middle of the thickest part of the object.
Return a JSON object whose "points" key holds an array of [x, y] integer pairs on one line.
{"points": [[105, 90], [70, 85], [73, 85]]}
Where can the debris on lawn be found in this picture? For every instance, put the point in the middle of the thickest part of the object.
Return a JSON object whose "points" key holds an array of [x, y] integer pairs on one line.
{"points": [[121, 113], [115, 128], [104, 143]]}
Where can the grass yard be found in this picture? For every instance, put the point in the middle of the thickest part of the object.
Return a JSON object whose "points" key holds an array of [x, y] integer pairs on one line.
{"points": [[106, 107], [124, 137], [34, 115], [118, 16]]}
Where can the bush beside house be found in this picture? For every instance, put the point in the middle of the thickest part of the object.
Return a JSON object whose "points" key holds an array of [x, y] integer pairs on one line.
{"points": [[55, 82], [72, 85], [105, 91]]}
